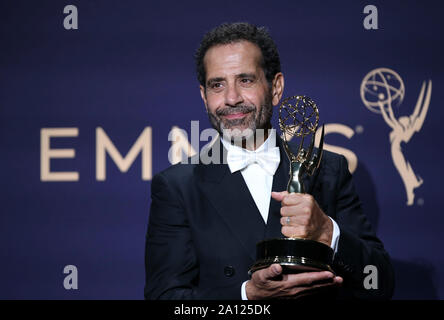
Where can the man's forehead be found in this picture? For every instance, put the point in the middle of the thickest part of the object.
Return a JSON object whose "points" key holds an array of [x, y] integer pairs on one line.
{"points": [[239, 53]]}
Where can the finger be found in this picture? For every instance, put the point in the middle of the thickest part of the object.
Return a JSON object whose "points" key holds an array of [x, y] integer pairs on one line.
{"points": [[301, 291], [297, 290], [279, 196], [298, 209], [269, 273], [295, 220], [295, 231], [286, 221], [275, 270], [296, 198], [338, 280], [308, 278]]}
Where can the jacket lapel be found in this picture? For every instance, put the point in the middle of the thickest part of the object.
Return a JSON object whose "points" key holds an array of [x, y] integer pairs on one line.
{"points": [[280, 181], [229, 195]]}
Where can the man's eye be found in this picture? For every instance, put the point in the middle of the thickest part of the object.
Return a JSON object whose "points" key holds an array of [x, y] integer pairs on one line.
{"points": [[216, 85], [245, 80]]}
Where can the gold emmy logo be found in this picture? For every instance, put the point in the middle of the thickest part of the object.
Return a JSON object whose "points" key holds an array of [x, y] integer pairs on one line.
{"points": [[380, 89]]}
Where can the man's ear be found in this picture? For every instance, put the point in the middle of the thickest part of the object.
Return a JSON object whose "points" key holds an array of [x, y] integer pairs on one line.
{"points": [[203, 95], [277, 88]]}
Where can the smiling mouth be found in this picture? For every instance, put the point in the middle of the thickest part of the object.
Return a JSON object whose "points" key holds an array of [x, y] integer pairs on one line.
{"points": [[233, 116]]}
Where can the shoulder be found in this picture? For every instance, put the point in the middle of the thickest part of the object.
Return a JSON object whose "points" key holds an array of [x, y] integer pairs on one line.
{"points": [[176, 173], [332, 161], [192, 169], [171, 184]]}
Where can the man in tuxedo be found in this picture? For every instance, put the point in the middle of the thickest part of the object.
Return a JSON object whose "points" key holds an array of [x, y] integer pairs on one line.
{"points": [[206, 218]]}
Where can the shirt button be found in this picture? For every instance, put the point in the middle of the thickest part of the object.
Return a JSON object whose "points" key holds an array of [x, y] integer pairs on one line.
{"points": [[229, 271]]}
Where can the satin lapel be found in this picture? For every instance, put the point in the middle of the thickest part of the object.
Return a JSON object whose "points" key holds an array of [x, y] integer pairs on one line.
{"points": [[229, 195], [280, 181]]}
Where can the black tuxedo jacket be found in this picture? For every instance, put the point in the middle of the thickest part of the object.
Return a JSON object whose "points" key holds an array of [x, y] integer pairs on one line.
{"points": [[204, 226]]}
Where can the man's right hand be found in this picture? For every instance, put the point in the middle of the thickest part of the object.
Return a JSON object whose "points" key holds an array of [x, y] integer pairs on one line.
{"points": [[271, 283]]}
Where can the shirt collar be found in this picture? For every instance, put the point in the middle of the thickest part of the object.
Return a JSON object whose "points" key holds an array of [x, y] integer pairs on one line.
{"points": [[268, 144]]}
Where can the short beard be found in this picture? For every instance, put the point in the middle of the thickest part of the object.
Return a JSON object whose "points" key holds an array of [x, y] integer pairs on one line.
{"points": [[261, 120]]}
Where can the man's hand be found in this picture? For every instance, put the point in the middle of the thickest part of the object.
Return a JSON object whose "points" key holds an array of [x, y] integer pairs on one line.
{"points": [[271, 283], [302, 217]]}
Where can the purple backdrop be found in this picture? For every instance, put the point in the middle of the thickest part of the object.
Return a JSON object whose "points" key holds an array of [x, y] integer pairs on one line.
{"points": [[129, 66]]}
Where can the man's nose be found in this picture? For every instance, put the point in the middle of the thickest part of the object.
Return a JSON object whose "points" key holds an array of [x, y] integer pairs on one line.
{"points": [[232, 95]]}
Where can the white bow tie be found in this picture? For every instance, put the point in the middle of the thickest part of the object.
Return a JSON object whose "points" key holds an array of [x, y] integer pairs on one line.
{"points": [[239, 159]]}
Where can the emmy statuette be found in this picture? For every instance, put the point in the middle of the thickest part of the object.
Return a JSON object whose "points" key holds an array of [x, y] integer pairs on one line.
{"points": [[298, 117]]}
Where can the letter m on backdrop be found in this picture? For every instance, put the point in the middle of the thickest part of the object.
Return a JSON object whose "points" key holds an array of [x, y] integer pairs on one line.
{"points": [[104, 145]]}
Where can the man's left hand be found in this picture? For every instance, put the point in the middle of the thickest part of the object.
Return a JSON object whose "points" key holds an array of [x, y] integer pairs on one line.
{"points": [[302, 217]]}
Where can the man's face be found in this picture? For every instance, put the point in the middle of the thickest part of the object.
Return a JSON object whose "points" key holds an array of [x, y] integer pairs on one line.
{"points": [[237, 94]]}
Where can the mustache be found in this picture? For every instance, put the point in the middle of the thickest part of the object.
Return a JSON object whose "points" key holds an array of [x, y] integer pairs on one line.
{"points": [[236, 109]]}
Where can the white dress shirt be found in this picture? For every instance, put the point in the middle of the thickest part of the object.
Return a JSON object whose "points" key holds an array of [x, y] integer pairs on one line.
{"points": [[259, 182]]}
